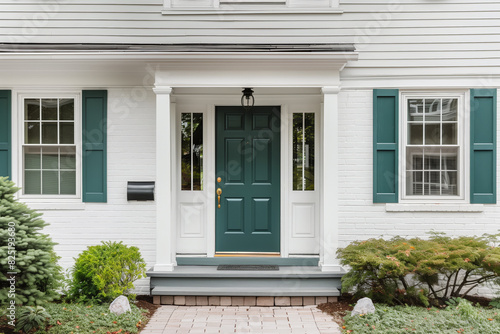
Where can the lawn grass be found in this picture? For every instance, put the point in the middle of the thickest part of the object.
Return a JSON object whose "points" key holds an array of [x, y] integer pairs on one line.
{"points": [[461, 318], [83, 319]]}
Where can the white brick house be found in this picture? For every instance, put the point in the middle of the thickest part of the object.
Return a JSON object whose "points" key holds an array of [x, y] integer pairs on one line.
{"points": [[370, 119]]}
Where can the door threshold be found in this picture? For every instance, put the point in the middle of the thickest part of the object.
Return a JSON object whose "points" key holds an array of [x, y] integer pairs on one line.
{"points": [[246, 254]]}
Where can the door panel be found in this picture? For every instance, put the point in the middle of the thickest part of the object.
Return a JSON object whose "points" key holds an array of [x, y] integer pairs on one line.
{"points": [[248, 163]]}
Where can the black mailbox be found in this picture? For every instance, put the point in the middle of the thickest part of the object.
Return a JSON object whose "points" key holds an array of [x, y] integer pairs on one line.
{"points": [[140, 191]]}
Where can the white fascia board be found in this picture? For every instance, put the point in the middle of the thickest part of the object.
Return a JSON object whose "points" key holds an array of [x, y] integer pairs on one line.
{"points": [[340, 57]]}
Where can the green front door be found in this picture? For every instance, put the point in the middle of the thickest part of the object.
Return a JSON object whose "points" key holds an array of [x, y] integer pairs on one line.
{"points": [[248, 176]]}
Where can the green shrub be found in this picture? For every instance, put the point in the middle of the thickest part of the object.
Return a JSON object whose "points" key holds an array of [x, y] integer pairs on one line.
{"points": [[106, 271], [416, 271], [25, 251], [32, 318]]}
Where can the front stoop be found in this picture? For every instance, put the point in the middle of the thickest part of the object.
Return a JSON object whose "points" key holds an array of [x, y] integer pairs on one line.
{"points": [[205, 285]]}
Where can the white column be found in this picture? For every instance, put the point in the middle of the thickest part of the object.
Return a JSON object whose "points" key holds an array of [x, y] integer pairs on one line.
{"points": [[165, 227], [329, 194]]}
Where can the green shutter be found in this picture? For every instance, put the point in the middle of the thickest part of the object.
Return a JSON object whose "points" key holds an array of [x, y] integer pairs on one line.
{"points": [[483, 129], [5, 133], [385, 145], [94, 130]]}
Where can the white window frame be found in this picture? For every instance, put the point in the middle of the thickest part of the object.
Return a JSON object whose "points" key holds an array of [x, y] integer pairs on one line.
{"points": [[463, 134], [53, 94]]}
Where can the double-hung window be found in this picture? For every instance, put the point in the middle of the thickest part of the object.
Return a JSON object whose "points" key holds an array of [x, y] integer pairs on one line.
{"points": [[50, 146], [60, 144], [433, 146]]}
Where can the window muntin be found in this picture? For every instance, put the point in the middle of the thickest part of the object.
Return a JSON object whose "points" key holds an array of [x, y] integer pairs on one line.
{"points": [[49, 146], [303, 151], [191, 151], [433, 148]]}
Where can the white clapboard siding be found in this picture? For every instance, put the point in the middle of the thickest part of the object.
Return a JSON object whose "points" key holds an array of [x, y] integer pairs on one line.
{"points": [[416, 36]]}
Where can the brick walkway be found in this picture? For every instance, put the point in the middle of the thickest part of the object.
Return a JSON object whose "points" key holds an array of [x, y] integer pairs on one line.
{"points": [[240, 319]]}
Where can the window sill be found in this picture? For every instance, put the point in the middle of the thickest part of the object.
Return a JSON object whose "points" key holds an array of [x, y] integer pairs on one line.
{"points": [[219, 11], [52, 206], [397, 207]]}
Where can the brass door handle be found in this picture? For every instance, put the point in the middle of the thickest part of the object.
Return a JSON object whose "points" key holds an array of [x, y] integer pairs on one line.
{"points": [[219, 192]]}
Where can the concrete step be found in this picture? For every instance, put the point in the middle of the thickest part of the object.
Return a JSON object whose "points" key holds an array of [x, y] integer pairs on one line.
{"points": [[208, 281]]}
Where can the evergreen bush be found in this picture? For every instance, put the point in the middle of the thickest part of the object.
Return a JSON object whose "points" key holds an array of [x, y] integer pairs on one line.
{"points": [[417, 271], [29, 272], [104, 272]]}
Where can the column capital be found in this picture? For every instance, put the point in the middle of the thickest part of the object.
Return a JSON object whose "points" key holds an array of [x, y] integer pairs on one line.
{"points": [[330, 90], [162, 90]]}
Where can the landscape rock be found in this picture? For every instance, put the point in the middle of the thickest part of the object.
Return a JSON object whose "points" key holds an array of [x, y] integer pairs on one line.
{"points": [[363, 306], [120, 305]]}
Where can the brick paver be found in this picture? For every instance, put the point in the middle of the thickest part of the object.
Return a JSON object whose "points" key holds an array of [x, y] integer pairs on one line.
{"points": [[240, 319]]}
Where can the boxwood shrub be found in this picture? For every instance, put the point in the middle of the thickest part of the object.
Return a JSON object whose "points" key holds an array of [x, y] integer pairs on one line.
{"points": [[104, 272]]}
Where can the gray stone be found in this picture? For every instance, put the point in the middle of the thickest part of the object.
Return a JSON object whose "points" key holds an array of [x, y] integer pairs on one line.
{"points": [[363, 306], [120, 305]]}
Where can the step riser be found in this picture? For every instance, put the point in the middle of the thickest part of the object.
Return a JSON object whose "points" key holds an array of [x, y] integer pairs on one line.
{"points": [[319, 283], [292, 281], [245, 287]]}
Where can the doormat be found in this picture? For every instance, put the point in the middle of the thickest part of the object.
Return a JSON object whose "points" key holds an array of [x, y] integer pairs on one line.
{"points": [[247, 267]]}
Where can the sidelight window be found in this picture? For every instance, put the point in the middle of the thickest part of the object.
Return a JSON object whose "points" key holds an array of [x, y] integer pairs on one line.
{"points": [[192, 151], [303, 151]]}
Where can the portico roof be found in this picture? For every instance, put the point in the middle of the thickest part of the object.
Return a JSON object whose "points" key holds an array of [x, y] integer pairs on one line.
{"points": [[176, 48]]}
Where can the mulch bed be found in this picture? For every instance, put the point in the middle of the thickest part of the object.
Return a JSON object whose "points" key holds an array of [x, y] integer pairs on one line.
{"points": [[146, 302], [338, 310]]}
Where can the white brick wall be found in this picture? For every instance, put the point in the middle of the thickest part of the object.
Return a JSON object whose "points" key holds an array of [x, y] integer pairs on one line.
{"points": [[131, 157], [361, 219]]}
